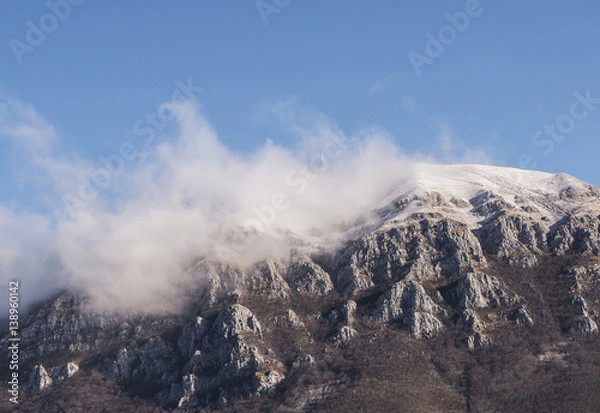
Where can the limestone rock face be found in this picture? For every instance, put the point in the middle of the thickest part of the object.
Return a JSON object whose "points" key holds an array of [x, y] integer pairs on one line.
{"points": [[292, 321], [215, 282], [486, 203], [152, 366], [344, 314], [476, 290], [521, 316], [469, 320], [408, 301], [514, 238], [584, 323], [39, 378], [345, 334], [191, 337], [478, 340], [267, 277], [227, 363], [578, 233], [422, 250], [304, 276], [66, 325], [59, 373]]}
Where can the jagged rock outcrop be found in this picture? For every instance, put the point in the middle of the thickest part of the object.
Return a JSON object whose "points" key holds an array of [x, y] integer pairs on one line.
{"points": [[152, 366], [344, 314], [514, 238], [521, 316], [420, 250], [486, 203], [267, 278], [577, 233], [67, 324], [39, 378], [478, 340], [407, 301], [191, 337], [584, 323], [292, 321], [476, 290], [228, 364], [304, 276], [469, 320], [221, 361]]}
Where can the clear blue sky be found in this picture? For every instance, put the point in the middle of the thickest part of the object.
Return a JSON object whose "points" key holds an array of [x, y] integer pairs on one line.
{"points": [[514, 68]]}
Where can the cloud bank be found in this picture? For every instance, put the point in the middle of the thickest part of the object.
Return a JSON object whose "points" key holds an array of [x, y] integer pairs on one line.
{"points": [[127, 230]]}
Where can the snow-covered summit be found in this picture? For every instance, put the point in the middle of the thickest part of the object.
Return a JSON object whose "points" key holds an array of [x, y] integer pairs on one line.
{"points": [[469, 193]]}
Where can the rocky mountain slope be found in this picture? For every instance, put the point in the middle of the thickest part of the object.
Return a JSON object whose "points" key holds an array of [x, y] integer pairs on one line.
{"points": [[476, 289]]}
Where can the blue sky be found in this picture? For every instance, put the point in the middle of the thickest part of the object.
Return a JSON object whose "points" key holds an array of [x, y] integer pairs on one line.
{"points": [[512, 69]]}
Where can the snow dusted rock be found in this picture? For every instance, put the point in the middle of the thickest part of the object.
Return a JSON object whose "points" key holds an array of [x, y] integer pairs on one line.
{"points": [[432, 231], [421, 250], [476, 290], [486, 203], [514, 238], [578, 233], [404, 297], [304, 276], [408, 301]]}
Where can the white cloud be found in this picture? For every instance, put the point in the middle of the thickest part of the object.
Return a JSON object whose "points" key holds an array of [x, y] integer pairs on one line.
{"points": [[132, 247]]}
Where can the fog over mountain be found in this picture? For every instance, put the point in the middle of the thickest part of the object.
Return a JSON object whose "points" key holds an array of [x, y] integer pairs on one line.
{"points": [[126, 227]]}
